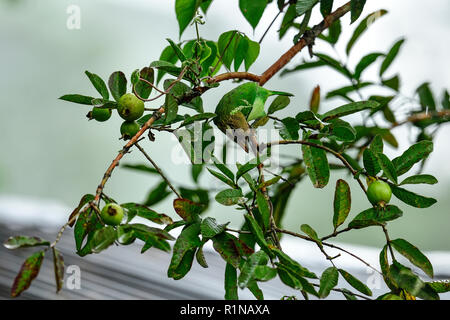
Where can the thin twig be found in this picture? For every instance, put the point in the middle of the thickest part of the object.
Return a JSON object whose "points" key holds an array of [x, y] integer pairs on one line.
{"points": [[157, 169]]}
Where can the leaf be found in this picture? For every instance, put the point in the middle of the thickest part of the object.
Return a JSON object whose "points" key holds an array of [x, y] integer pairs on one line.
{"points": [[390, 57], [307, 229], [142, 88], [157, 194], [410, 157], [342, 203], [58, 265], [255, 290], [326, 6], [252, 53], [365, 62], [278, 104], [259, 258], [99, 84], [230, 248], [197, 117], [362, 27], [426, 97], [303, 66], [328, 281], [355, 283], [420, 178], [349, 109], [342, 130], [376, 146], [141, 168], [117, 84], [223, 178], [185, 12], [252, 10], [229, 197], [134, 209], [440, 286], [258, 234], [293, 266], [387, 167], [177, 50], [413, 255], [28, 272], [385, 269], [184, 251], [86, 224], [78, 98], [188, 210], [167, 55], [227, 45], [24, 242], [303, 6], [231, 287], [412, 198], [333, 63], [371, 163], [374, 217], [288, 128], [315, 100], [102, 239], [224, 169], [393, 83], [245, 168], [201, 257], [357, 7], [316, 164], [446, 100], [263, 208], [210, 228]]}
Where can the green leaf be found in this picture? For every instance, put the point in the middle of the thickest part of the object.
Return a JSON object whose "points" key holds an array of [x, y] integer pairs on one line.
{"points": [[98, 84], [342, 203], [134, 209], [446, 100], [157, 194], [188, 210], [259, 258], [201, 257], [376, 146], [264, 273], [258, 234], [224, 169], [78, 98], [412, 198], [414, 255], [171, 108], [177, 50], [307, 229], [440, 286], [58, 265], [185, 12], [316, 164], [144, 89], [365, 62], [371, 163], [102, 239], [349, 109], [231, 287], [230, 197], [333, 63], [303, 6], [390, 57], [230, 248], [197, 117], [252, 10], [141, 168], [28, 272], [223, 178], [344, 91], [410, 157], [328, 281], [393, 83], [252, 54], [426, 97], [86, 224], [252, 164], [117, 84], [293, 266], [342, 130], [387, 167], [227, 44], [167, 67], [24, 242], [355, 283], [420, 178], [375, 217], [183, 251], [303, 66], [167, 55], [407, 280], [362, 27], [357, 7], [326, 6], [210, 228], [278, 104], [263, 208], [288, 128]]}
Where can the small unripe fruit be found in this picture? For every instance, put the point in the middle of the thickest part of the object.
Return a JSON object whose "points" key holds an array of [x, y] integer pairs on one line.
{"points": [[379, 192], [129, 107], [112, 214], [128, 129], [99, 114]]}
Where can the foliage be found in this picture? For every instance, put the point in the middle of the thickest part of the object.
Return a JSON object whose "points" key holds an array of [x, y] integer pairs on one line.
{"points": [[254, 255]]}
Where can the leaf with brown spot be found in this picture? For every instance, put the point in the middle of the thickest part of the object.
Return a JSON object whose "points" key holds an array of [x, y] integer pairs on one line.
{"points": [[84, 200], [28, 272], [58, 264], [188, 210]]}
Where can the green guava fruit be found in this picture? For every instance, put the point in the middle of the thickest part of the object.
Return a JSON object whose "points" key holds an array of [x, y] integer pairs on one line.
{"points": [[112, 214], [379, 192], [129, 107], [128, 129], [99, 114]]}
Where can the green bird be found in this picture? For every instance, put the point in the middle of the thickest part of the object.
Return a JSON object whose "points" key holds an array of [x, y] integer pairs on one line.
{"points": [[240, 106]]}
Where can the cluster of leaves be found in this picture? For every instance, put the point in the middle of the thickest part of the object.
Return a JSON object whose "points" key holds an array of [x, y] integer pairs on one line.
{"points": [[254, 256]]}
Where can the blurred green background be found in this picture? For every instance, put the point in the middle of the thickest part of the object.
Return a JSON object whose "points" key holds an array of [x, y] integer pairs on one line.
{"points": [[49, 149]]}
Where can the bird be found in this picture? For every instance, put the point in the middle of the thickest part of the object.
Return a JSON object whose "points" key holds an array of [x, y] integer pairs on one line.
{"points": [[240, 106]]}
